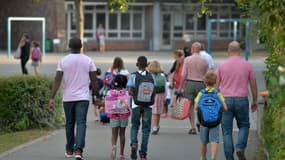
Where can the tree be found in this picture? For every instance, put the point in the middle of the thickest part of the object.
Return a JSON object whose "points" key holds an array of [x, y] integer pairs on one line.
{"points": [[79, 20]]}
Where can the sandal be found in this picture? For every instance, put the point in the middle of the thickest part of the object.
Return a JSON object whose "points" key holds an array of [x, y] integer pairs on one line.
{"points": [[192, 131], [122, 157]]}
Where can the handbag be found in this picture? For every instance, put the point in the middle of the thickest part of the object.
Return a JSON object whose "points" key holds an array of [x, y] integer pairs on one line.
{"points": [[17, 54], [179, 108]]}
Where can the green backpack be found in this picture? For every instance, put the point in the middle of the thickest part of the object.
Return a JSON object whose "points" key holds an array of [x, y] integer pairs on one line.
{"points": [[160, 83]]}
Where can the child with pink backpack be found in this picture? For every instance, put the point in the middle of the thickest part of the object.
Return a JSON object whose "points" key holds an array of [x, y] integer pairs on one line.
{"points": [[117, 106], [36, 56]]}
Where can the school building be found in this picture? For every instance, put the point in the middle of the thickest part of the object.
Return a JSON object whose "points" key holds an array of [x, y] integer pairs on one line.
{"points": [[147, 25]]}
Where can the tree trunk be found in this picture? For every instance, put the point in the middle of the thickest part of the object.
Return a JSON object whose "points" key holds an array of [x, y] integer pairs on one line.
{"points": [[79, 20]]}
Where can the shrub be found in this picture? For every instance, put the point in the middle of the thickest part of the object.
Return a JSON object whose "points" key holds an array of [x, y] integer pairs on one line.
{"points": [[24, 103]]}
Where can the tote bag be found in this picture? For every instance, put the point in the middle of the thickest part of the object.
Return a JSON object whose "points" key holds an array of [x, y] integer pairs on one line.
{"points": [[17, 54], [179, 108]]}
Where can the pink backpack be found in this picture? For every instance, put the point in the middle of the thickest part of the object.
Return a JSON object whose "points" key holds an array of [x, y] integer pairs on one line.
{"points": [[36, 54]]}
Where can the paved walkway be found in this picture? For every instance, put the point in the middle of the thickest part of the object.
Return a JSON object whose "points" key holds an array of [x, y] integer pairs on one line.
{"points": [[173, 142]]}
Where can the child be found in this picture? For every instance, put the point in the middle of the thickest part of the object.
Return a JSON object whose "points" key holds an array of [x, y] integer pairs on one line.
{"points": [[209, 130], [36, 56], [167, 98], [159, 100], [119, 121], [100, 85], [141, 87]]}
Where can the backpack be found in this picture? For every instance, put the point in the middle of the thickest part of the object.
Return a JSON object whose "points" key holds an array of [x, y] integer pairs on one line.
{"points": [[209, 109], [144, 90], [160, 83], [36, 54], [109, 78]]}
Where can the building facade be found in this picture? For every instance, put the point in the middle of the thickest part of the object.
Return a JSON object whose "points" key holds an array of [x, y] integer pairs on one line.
{"points": [[147, 25]]}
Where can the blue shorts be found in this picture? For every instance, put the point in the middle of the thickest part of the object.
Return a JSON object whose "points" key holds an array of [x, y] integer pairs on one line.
{"points": [[209, 134], [116, 122]]}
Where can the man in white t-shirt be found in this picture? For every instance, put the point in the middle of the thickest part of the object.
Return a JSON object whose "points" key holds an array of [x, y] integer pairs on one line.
{"points": [[75, 69]]}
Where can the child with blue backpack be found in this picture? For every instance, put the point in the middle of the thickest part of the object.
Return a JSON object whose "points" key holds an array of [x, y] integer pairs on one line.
{"points": [[209, 104]]}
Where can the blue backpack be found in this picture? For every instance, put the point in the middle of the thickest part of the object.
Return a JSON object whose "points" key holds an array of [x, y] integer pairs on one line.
{"points": [[209, 109]]}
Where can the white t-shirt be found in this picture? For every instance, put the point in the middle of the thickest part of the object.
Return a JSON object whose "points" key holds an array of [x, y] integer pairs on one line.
{"points": [[124, 72], [76, 68]]}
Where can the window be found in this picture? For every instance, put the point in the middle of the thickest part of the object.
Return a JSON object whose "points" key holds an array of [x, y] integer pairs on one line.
{"points": [[125, 21], [201, 23], [113, 18], [88, 21], [189, 22], [137, 21]]}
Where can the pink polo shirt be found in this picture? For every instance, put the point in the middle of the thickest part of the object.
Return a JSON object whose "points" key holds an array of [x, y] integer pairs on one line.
{"points": [[194, 67], [234, 75], [76, 68]]}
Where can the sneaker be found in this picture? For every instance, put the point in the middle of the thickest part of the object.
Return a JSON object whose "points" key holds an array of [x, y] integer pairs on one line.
{"points": [[122, 157], [113, 153], [134, 152], [78, 155], [69, 154], [192, 131], [155, 131], [241, 155]]}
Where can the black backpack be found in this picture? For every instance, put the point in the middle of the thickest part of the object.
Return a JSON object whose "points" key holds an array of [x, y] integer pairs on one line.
{"points": [[144, 90]]}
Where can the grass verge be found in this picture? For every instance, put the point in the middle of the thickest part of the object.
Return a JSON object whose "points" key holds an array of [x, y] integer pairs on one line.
{"points": [[11, 140]]}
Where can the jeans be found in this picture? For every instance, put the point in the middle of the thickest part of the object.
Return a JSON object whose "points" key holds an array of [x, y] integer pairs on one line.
{"points": [[75, 111], [137, 113], [238, 108]]}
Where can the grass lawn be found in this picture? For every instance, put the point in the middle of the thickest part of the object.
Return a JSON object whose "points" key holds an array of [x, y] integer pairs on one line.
{"points": [[11, 140]]}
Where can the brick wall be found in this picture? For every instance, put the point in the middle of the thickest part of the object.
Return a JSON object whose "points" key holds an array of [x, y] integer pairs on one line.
{"points": [[216, 44], [52, 10], [118, 45]]}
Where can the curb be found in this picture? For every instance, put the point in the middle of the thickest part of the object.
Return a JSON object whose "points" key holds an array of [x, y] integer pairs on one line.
{"points": [[13, 150]]}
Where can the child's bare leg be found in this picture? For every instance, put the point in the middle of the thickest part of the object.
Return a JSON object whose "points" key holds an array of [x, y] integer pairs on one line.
{"points": [[122, 140], [96, 112], [214, 150], [36, 69], [155, 120], [203, 151], [115, 132]]}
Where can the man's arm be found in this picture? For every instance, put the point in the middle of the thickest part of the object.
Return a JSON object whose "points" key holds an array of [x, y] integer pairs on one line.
{"points": [[56, 85], [253, 88]]}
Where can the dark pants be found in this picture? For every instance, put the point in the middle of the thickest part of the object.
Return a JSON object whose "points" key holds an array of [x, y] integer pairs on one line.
{"points": [[23, 65], [75, 112]]}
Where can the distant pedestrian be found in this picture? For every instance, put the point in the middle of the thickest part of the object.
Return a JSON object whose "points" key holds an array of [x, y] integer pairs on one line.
{"points": [[75, 69], [141, 86], [94, 97], [100, 36], [177, 68], [36, 56], [24, 45], [187, 51], [207, 56], [159, 101], [210, 133], [119, 121], [234, 75], [194, 70]]}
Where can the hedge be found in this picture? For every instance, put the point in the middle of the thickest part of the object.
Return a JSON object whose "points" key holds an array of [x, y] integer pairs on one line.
{"points": [[24, 103]]}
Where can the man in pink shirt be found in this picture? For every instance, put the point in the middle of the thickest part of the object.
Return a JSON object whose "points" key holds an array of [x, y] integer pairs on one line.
{"points": [[76, 69], [234, 75], [194, 69]]}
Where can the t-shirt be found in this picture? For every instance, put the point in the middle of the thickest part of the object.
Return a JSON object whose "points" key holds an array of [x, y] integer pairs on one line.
{"points": [[124, 72], [76, 68], [234, 75]]}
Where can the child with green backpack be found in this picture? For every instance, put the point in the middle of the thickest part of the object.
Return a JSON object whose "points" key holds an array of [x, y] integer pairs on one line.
{"points": [[209, 104], [159, 100]]}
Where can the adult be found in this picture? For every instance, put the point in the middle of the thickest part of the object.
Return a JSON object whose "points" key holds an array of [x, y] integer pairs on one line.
{"points": [[207, 56], [177, 68], [193, 71], [25, 45], [100, 36], [187, 51], [75, 69], [234, 75]]}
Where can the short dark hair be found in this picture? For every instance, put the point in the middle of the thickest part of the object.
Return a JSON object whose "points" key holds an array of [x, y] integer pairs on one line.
{"points": [[98, 71], [187, 51], [75, 44], [142, 62]]}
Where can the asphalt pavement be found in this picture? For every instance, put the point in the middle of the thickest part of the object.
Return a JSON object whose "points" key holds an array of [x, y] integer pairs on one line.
{"points": [[171, 143]]}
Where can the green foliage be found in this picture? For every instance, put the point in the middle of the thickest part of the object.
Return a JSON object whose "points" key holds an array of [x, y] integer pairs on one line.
{"points": [[24, 103], [118, 5], [270, 15]]}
